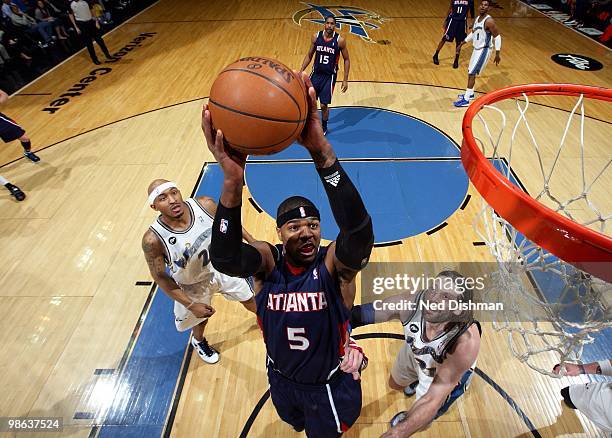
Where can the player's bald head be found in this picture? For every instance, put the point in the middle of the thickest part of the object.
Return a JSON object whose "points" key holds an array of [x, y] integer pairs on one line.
{"points": [[155, 183]]}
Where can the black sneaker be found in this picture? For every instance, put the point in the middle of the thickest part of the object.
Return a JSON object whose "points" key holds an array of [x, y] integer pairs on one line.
{"points": [[410, 390], [435, 59], [324, 126], [31, 156], [456, 63], [15, 191], [205, 351]]}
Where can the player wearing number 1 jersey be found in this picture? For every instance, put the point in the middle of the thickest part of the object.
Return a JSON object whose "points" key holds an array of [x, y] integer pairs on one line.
{"points": [[485, 37], [326, 46]]}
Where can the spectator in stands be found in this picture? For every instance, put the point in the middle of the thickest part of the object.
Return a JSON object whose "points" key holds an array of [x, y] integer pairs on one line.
{"points": [[44, 12], [14, 47], [24, 21], [6, 9], [100, 13]]}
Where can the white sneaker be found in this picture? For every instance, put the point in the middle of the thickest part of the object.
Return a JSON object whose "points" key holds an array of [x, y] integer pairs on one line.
{"points": [[205, 351]]}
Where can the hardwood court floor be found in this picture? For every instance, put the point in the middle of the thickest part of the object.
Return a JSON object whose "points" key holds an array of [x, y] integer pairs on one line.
{"points": [[71, 252]]}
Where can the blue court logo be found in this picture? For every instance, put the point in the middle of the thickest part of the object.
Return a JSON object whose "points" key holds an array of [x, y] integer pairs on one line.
{"points": [[359, 21]]}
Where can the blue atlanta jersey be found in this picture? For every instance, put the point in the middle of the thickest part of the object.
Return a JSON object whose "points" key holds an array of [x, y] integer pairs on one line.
{"points": [[304, 321], [326, 54], [460, 9]]}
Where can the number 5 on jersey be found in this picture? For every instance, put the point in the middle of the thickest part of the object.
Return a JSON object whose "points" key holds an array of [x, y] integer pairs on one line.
{"points": [[297, 342]]}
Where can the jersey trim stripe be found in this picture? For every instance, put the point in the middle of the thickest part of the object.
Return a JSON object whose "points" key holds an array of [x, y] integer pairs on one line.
{"points": [[6, 119], [167, 257], [448, 27], [481, 60], [333, 406], [203, 208], [159, 221]]}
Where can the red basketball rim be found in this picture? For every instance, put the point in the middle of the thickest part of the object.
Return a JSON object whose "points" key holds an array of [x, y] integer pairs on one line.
{"points": [[572, 242]]}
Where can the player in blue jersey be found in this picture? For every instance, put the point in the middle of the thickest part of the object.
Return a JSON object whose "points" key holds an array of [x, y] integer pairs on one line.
{"points": [[455, 27], [304, 292], [326, 46]]}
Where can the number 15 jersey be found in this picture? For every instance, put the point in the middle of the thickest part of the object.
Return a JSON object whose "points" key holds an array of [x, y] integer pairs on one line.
{"points": [[326, 54]]}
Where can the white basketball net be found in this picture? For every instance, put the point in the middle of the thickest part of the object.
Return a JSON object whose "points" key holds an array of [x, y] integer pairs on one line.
{"points": [[538, 326]]}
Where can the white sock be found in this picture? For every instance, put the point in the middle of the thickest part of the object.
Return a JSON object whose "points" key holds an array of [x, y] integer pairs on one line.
{"points": [[3, 181], [469, 93]]}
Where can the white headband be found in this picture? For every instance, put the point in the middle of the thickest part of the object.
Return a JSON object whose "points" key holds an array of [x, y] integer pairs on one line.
{"points": [[159, 190]]}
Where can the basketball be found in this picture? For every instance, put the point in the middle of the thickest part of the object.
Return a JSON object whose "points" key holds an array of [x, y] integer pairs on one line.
{"points": [[259, 104]]}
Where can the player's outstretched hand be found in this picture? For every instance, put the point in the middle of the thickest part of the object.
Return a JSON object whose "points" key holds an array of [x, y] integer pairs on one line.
{"points": [[312, 137], [231, 162], [570, 369], [351, 363], [344, 86], [201, 310], [497, 59]]}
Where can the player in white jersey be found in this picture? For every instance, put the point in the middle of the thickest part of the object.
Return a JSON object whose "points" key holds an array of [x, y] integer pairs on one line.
{"points": [[485, 37], [179, 240], [438, 358], [593, 399]]}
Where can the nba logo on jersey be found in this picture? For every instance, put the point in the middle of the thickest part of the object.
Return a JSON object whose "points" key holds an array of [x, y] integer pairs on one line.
{"points": [[223, 226], [302, 212], [315, 275]]}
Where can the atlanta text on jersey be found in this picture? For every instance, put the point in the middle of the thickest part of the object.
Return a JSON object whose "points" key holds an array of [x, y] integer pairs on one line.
{"points": [[297, 301]]}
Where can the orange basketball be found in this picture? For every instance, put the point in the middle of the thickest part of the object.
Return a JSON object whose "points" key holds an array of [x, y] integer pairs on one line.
{"points": [[259, 104]]}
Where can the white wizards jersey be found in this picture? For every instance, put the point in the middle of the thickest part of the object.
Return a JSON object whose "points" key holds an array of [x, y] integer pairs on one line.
{"points": [[187, 251], [429, 354], [482, 37]]}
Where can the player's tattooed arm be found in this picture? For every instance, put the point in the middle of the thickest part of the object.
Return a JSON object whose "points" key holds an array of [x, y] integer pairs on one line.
{"points": [[153, 252], [154, 255]]}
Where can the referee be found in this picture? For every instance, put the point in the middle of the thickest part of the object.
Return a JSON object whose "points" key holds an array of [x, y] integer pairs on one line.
{"points": [[88, 28]]}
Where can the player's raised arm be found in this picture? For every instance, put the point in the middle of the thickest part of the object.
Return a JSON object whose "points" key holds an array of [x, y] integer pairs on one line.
{"points": [[211, 207], [228, 254], [492, 27], [351, 250], [347, 62], [310, 53]]}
